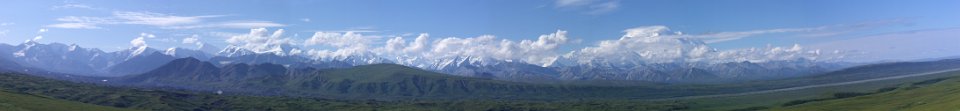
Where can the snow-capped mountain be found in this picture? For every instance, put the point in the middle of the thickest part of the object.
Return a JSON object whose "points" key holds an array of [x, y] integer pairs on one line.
{"points": [[630, 66], [183, 53], [139, 64], [234, 51], [73, 59], [59, 57], [493, 68], [360, 58]]}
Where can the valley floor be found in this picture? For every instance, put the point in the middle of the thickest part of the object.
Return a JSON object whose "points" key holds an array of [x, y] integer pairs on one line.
{"points": [[937, 95], [22, 102], [921, 91]]}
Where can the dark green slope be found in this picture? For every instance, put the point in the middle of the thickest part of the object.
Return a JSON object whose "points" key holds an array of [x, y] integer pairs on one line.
{"points": [[56, 92], [379, 81], [23, 102], [389, 81], [942, 94], [141, 64]]}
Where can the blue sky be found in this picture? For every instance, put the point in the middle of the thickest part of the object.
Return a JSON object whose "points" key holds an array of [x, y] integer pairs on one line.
{"points": [[731, 24]]}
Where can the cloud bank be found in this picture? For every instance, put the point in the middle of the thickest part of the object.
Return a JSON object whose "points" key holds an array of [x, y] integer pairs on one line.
{"points": [[640, 45]]}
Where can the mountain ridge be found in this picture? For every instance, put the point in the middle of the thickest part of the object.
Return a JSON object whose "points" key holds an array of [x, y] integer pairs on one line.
{"points": [[73, 59]]}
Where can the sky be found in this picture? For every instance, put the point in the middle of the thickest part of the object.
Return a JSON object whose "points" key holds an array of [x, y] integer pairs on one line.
{"points": [[858, 26]]}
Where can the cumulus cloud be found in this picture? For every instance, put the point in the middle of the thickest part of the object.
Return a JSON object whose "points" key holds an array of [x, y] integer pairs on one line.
{"points": [[138, 42], [42, 31], [148, 35], [261, 41], [194, 39], [640, 45], [649, 44], [537, 51], [348, 39], [653, 44], [37, 38], [345, 44]]}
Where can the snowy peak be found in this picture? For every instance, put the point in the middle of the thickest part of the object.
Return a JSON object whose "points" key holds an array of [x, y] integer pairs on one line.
{"points": [[359, 58], [183, 53], [560, 61], [208, 48], [464, 61], [135, 52], [234, 51]]}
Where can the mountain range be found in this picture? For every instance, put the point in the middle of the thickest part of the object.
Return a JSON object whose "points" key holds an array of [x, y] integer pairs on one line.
{"points": [[73, 59]]}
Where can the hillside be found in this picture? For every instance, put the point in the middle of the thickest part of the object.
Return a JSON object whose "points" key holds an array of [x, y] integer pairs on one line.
{"points": [[931, 95], [377, 81], [23, 102], [800, 96], [389, 81], [409, 88], [56, 92]]}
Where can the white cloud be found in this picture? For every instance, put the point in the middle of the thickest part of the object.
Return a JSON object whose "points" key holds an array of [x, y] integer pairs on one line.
{"points": [[138, 42], [537, 51], [259, 41], [648, 31], [165, 21], [821, 31], [72, 6], [348, 39], [231, 24], [728, 36], [305, 19], [905, 45], [6, 23], [568, 3], [398, 46], [37, 38], [74, 26], [651, 44], [641, 44], [345, 44], [147, 35], [157, 19], [250, 24], [192, 39], [81, 22], [42, 31], [588, 6]]}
